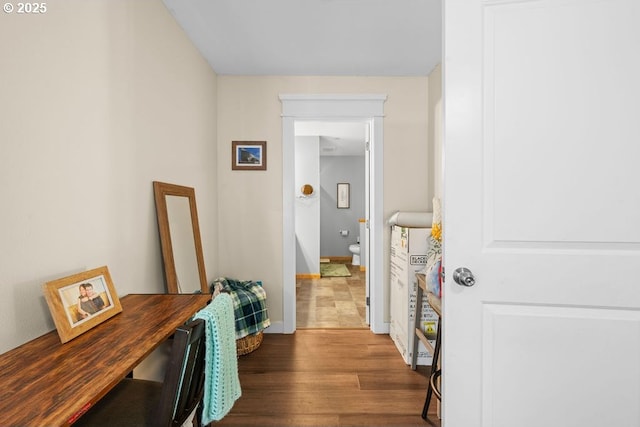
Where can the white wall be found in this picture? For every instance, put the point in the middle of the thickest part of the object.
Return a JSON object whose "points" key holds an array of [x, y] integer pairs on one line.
{"points": [[307, 209], [97, 99], [250, 217]]}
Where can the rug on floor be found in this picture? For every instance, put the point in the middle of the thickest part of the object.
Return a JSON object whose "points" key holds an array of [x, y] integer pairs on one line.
{"points": [[334, 270]]}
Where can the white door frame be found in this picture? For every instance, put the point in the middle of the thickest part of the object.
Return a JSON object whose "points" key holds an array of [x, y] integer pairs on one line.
{"points": [[369, 108]]}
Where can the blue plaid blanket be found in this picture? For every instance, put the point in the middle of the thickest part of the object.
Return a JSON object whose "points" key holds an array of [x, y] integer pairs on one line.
{"points": [[249, 302]]}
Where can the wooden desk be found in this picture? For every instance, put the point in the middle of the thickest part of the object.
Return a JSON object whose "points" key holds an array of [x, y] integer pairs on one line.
{"points": [[46, 383]]}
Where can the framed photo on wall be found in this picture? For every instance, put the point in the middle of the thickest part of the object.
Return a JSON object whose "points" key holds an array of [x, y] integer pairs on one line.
{"points": [[249, 155], [343, 195], [81, 301]]}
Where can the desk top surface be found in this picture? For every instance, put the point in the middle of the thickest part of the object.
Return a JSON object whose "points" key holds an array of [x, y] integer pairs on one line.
{"points": [[45, 382]]}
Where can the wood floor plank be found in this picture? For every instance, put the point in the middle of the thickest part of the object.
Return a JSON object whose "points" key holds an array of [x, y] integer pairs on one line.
{"points": [[393, 380], [310, 381], [301, 420], [403, 402], [377, 419]]}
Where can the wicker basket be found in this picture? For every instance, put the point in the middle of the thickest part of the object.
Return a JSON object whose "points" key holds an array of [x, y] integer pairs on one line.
{"points": [[249, 343]]}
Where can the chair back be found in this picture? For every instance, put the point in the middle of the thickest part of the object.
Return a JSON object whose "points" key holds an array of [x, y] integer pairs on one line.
{"points": [[183, 386]]}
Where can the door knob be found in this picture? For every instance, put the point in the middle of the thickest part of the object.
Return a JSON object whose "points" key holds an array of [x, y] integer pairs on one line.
{"points": [[463, 277]]}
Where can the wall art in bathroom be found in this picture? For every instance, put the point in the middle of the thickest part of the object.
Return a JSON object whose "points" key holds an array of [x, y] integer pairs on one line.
{"points": [[249, 155], [343, 195]]}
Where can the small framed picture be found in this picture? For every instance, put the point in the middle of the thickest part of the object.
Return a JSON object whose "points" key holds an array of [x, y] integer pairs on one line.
{"points": [[81, 301], [249, 155], [343, 195]]}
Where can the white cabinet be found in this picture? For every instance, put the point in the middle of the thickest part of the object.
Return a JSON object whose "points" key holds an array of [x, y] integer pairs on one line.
{"points": [[409, 248]]}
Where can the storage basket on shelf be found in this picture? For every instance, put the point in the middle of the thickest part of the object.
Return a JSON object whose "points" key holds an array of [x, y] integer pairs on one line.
{"points": [[249, 301]]}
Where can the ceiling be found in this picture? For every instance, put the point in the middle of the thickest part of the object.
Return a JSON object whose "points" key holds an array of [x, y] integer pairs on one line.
{"points": [[316, 38], [336, 138]]}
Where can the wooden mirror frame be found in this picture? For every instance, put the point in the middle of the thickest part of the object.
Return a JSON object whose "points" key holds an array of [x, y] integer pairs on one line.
{"points": [[160, 191]]}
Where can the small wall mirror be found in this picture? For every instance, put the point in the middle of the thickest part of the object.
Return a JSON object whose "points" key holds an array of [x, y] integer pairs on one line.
{"points": [[180, 238]]}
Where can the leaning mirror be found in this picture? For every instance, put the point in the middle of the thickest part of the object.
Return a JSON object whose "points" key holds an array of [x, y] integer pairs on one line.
{"points": [[180, 238]]}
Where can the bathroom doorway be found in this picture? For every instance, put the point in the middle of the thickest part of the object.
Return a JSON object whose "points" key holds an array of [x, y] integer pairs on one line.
{"points": [[335, 108], [331, 160]]}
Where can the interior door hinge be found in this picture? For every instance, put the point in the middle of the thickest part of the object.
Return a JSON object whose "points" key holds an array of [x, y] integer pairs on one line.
{"points": [[367, 302]]}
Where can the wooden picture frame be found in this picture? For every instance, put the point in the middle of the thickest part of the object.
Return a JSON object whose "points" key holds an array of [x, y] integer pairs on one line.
{"points": [[343, 195], [81, 301], [249, 155]]}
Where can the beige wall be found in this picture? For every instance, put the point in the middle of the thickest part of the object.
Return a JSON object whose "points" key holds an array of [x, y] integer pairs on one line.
{"points": [[435, 128], [250, 215], [97, 99]]}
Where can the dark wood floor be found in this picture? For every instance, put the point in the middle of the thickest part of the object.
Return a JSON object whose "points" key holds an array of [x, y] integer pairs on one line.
{"points": [[329, 377]]}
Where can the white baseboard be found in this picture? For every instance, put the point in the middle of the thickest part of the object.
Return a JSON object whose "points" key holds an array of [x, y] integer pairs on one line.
{"points": [[275, 328], [384, 329]]}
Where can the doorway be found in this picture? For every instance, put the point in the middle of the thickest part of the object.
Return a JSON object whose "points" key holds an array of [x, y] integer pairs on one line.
{"points": [[331, 286], [365, 108]]}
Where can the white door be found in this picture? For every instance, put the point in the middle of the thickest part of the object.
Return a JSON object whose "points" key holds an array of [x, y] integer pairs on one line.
{"points": [[542, 204]]}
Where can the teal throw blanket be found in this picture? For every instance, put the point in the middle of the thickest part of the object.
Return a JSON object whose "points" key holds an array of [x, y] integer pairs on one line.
{"points": [[222, 384]]}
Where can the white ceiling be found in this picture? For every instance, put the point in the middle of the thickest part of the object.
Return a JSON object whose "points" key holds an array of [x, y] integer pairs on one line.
{"points": [[316, 38], [336, 138]]}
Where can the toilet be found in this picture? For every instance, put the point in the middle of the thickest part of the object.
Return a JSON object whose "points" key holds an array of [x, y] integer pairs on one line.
{"points": [[355, 250]]}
